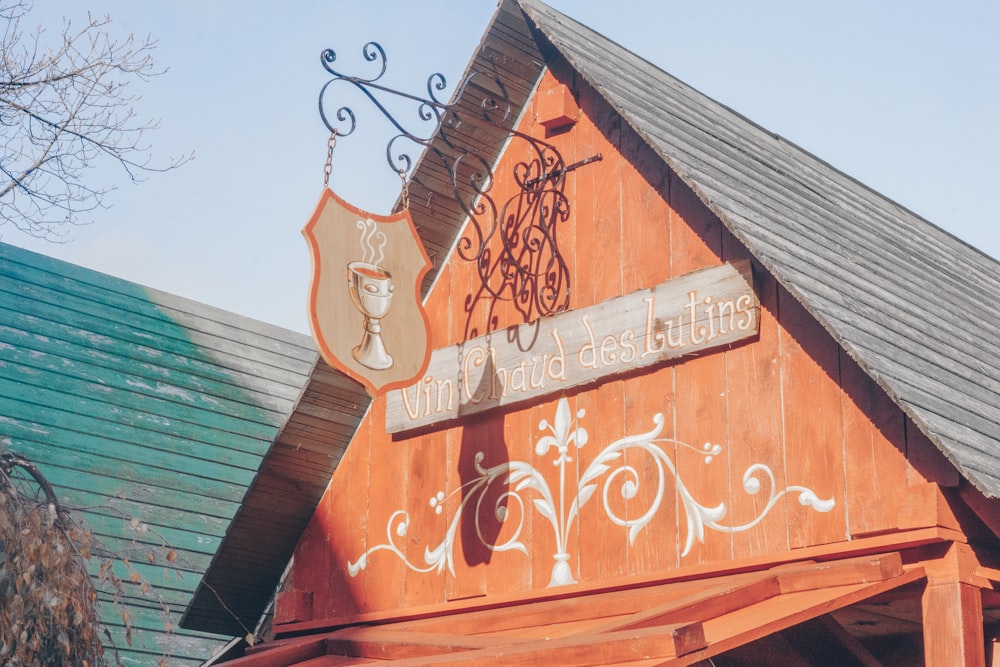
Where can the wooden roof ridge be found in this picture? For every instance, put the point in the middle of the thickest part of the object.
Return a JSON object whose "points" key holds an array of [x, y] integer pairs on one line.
{"points": [[912, 304]]}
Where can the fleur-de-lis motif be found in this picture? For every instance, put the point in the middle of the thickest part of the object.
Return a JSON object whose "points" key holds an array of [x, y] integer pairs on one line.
{"points": [[561, 434]]}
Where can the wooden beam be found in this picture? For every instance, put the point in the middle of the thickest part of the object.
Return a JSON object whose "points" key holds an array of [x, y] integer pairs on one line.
{"points": [[862, 570], [711, 602], [735, 594], [953, 625], [779, 613], [394, 644], [926, 505], [597, 606], [628, 646]]}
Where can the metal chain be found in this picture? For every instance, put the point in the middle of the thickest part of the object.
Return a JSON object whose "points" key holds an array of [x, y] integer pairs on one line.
{"points": [[331, 143], [406, 191]]}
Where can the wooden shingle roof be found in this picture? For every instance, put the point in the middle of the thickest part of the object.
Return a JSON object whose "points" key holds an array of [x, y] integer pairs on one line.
{"points": [[913, 305], [137, 403]]}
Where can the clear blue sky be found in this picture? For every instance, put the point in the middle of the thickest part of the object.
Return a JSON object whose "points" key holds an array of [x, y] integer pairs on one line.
{"points": [[903, 95]]}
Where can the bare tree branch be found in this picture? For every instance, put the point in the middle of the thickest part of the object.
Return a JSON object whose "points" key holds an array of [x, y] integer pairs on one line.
{"points": [[66, 106]]}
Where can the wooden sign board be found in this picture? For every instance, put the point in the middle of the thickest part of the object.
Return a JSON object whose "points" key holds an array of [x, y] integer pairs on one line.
{"points": [[700, 311], [364, 298]]}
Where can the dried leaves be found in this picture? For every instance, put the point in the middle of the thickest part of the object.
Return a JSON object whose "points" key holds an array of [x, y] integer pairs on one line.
{"points": [[47, 611], [48, 600]]}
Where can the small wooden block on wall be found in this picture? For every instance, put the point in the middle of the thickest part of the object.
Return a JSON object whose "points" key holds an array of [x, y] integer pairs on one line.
{"points": [[556, 108]]}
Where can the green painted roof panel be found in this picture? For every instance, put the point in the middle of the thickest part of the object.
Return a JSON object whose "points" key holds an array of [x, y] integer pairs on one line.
{"points": [[137, 403]]}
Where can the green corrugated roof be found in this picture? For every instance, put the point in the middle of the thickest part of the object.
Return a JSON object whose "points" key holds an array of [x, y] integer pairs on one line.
{"points": [[134, 402]]}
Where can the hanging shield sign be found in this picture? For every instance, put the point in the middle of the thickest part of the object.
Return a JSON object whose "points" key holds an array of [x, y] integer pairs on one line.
{"points": [[364, 301]]}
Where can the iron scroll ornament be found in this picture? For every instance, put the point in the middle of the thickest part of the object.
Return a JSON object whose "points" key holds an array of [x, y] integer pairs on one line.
{"points": [[514, 243]]}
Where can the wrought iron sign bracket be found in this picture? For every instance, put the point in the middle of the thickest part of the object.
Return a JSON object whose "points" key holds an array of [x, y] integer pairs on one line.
{"points": [[565, 170], [513, 240]]}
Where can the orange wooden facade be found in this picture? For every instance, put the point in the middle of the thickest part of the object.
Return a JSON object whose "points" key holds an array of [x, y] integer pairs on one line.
{"points": [[790, 402]]}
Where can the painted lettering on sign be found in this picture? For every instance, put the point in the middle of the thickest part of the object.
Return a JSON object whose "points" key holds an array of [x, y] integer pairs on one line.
{"points": [[696, 312]]}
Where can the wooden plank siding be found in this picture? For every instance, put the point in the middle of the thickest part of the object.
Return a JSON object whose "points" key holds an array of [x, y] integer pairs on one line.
{"points": [[907, 301], [791, 400], [135, 403], [868, 389]]}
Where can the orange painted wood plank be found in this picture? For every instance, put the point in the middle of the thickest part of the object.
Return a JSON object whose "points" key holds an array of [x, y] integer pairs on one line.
{"points": [[531, 570], [927, 463], [603, 545], [776, 614], [700, 385], [390, 644], [384, 500], [281, 656], [712, 602], [874, 447], [645, 215], [338, 661], [599, 548], [473, 555], [656, 546], [987, 509], [925, 505], [739, 592], [343, 510], [659, 642], [814, 434], [590, 608], [424, 492], [753, 406], [646, 251], [846, 572], [953, 625]]}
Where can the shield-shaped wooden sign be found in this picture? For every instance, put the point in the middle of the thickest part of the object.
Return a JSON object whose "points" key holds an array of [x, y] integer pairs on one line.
{"points": [[364, 301]]}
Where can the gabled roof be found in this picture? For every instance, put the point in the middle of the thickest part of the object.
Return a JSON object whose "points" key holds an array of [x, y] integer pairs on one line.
{"points": [[913, 305], [137, 403], [909, 302]]}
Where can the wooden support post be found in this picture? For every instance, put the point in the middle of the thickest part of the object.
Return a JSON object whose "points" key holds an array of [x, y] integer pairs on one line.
{"points": [[953, 625]]}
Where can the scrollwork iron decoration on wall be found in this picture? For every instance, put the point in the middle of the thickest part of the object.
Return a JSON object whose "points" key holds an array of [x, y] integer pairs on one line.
{"points": [[514, 243]]}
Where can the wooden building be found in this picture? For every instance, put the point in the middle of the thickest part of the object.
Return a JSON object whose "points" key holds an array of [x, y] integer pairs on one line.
{"points": [[762, 427]]}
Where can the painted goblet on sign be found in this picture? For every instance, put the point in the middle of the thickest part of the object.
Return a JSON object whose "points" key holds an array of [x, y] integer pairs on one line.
{"points": [[364, 301], [371, 291]]}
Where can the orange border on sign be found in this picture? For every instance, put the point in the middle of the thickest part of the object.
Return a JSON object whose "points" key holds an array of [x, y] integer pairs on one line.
{"points": [[324, 348]]}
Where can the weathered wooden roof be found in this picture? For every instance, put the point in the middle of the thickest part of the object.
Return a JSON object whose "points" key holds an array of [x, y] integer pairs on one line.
{"points": [[136, 403], [913, 305]]}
